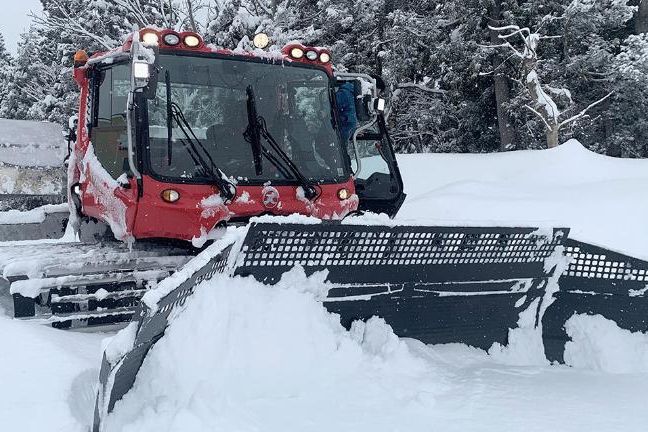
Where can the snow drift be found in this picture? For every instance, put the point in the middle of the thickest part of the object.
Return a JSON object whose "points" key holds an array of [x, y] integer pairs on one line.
{"points": [[603, 200], [244, 356], [255, 357], [599, 344]]}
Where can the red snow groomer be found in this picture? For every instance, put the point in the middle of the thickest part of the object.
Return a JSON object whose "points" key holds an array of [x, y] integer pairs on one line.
{"points": [[179, 144], [182, 138]]}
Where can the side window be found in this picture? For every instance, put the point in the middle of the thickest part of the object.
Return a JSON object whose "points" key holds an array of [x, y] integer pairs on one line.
{"points": [[372, 161], [109, 135]]}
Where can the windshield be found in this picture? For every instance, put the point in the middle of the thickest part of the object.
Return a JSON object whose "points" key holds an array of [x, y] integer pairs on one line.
{"points": [[211, 93]]}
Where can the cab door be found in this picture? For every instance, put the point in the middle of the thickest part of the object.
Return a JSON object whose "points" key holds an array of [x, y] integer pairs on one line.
{"points": [[378, 180], [108, 191]]}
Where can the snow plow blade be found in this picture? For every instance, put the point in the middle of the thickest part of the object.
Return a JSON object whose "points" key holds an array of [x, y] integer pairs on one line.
{"points": [[436, 284]]}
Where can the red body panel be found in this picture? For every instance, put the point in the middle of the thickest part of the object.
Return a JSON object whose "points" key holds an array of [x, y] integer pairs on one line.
{"points": [[199, 208]]}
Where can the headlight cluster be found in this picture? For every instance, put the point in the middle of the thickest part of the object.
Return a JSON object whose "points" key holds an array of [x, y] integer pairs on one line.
{"points": [[152, 38], [299, 52]]}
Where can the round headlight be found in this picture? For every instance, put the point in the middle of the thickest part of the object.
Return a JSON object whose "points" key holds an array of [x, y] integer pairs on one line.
{"points": [[171, 39], [192, 41], [311, 55], [343, 194], [150, 38], [170, 195], [325, 57], [296, 53], [261, 40]]}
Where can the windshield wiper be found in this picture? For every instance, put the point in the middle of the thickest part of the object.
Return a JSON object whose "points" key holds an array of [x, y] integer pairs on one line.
{"points": [[256, 129], [252, 133], [194, 147], [169, 119]]}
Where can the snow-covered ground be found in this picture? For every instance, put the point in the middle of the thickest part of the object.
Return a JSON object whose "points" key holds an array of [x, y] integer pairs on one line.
{"points": [[246, 357], [603, 200]]}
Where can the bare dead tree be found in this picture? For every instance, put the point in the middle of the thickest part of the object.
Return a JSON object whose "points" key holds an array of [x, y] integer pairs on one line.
{"points": [[543, 105]]}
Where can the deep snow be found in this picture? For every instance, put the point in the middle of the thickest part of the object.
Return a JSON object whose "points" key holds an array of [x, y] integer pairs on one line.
{"points": [[47, 377], [249, 357], [603, 200]]}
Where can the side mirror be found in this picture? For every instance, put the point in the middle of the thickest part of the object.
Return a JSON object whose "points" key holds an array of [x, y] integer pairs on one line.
{"points": [[151, 88], [379, 104], [144, 69]]}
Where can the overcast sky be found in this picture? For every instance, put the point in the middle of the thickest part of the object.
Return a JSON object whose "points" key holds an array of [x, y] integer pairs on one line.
{"points": [[14, 19]]}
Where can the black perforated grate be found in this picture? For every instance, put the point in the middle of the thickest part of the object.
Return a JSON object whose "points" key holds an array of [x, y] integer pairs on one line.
{"points": [[358, 254], [303, 245], [587, 263]]}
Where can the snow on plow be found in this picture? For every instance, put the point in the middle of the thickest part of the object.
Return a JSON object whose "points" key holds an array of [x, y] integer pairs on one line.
{"points": [[435, 284]]}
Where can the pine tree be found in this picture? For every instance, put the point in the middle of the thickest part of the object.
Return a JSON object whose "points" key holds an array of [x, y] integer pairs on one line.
{"points": [[6, 64]]}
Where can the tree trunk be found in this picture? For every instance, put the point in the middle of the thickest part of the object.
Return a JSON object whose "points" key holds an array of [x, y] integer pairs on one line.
{"points": [[192, 19], [387, 8], [641, 18], [552, 137], [508, 138]]}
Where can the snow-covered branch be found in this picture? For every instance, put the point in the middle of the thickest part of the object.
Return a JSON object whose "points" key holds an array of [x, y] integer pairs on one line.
{"points": [[584, 111], [420, 87], [543, 105], [536, 112], [69, 23]]}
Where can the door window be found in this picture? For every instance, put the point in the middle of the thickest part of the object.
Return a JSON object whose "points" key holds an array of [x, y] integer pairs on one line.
{"points": [[109, 133], [372, 158]]}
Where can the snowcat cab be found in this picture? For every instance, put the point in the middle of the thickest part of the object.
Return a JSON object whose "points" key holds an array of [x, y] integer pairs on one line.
{"points": [[181, 138]]}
